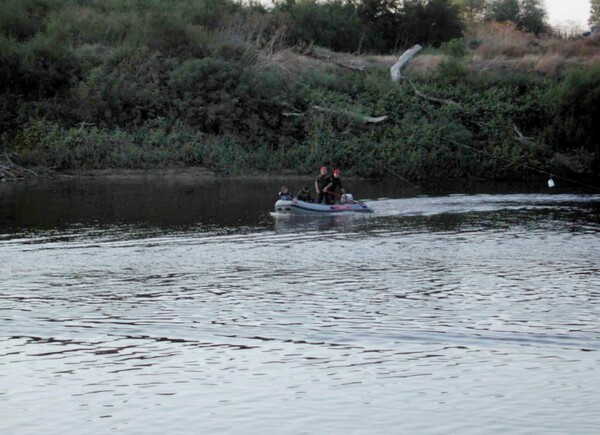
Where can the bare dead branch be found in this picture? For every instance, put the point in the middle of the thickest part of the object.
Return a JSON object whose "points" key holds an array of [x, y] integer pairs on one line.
{"points": [[368, 119], [396, 72], [334, 58], [429, 98], [396, 69]]}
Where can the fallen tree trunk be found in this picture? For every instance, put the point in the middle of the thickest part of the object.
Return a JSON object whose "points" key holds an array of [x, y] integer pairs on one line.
{"points": [[396, 69], [520, 137], [396, 73], [334, 58], [349, 114], [10, 171], [368, 119], [434, 99]]}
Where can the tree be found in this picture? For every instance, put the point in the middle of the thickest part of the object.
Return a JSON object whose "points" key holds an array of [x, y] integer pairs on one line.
{"points": [[503, 10], [380, 19], [430, 22], [532, 17], [471, 11], [528, 15], [594, 12], [445, 21], [334, 24]]}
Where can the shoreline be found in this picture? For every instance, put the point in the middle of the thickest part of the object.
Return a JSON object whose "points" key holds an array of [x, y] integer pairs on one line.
{"points": [[198, 173], [174, 172]]}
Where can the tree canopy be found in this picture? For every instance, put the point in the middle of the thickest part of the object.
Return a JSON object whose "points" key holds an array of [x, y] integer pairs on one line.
{"points": [[528, 15], [594, 12], [372, 25]]}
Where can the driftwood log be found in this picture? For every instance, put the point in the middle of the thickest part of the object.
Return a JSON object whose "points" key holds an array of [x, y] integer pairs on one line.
{"points": [[10, 171], [430, 98], [520, 137], [407, 56], [397, 75], [334, 58], [347, 113], [363, 118]]}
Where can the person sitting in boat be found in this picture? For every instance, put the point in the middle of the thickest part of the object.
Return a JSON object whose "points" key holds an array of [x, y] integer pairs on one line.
{"points": [[331, 189], [321, 181], [285, 194], [304, 194]]}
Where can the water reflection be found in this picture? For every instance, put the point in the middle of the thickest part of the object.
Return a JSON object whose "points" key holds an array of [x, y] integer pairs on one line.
{"points": [[302, 223]]}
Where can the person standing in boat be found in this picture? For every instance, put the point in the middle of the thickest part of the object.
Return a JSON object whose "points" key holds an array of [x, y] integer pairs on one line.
{"points": [[321, 181], [331, 188], [304, 194]]}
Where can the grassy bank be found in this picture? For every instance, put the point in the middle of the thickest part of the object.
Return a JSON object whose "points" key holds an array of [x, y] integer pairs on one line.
{"points": [[127, 84]]}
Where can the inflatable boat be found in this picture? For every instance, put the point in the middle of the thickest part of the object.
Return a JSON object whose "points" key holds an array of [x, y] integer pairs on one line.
{"points": [[297, 206]]}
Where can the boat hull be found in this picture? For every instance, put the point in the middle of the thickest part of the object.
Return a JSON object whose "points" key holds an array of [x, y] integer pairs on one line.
{"points": [[301, 207]]}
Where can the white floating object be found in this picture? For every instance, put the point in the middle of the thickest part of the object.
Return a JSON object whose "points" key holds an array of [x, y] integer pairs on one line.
{"points": [[551, 183]]}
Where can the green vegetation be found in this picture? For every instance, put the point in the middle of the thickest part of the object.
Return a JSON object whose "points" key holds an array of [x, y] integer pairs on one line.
{"points": [[370, 25], [573, 107], [594, 12], [88, 84], [528, 15]]}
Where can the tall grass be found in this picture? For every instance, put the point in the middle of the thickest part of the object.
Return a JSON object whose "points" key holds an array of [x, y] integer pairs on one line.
{"points": [[489, 40]]}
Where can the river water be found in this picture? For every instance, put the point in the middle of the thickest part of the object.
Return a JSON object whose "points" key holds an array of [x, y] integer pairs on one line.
{"points": [[177, 305]]}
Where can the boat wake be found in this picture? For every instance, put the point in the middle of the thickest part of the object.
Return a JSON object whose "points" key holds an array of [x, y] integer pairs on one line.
{"points": [[460, 204]]}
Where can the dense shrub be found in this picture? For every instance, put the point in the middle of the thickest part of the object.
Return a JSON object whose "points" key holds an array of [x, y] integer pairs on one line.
{"points": [[126, 93], [574, 110], [23, 19], [220, 97], [38, 67]]}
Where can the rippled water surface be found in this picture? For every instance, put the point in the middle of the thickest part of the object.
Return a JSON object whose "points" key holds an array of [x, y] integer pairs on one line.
{"points": [[183, 306]]}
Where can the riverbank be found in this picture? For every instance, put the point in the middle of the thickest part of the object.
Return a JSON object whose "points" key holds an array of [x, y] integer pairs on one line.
{"points": [[14, 173], [495, 103], [430, 186], [498, 126]]}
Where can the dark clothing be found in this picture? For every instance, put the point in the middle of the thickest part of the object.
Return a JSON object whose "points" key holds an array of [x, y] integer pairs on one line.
{"points": [[304, 195], [335, 183], [332, 195], [322, 181], [286, 196]]}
